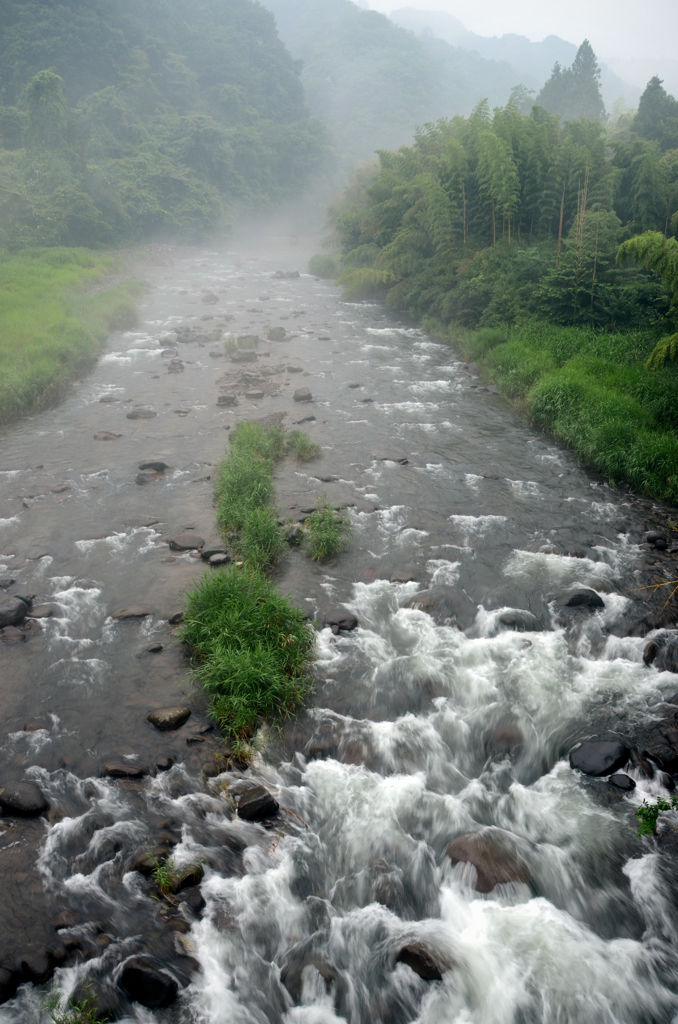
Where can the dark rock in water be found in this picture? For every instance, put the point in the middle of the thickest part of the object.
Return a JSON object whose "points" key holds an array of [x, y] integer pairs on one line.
{"points": [[254, 395], [175, 366], [12, 635], [147, 861], [299, 957], [141, 521], [163, 764], [257, 803], [403, 576], [8, 984], [650, 652], [105, 1002], [210, 769], [36, 967], [123, 770], [132, 611], [188, 541], [156, 465], [286, 274], [176, 618], [209, 298], [599, 757], [192, 874], [153, 649], [519, 620], [662, 652], [147, 476], [302, 395], [220, 558], [42, 611], [622, 781], [169, 353], [216, 355], [106, 435], [141, 414], [192, 899], [227, 400], [244, 355], [6, 583], [23, 799], [657, 540], [427, 964], [169, 718], [276, 334], [354, 385], [340, 620], [147, 984], [66, 919], [581, 599], [295, 369], [494, 865], [109, 398]]}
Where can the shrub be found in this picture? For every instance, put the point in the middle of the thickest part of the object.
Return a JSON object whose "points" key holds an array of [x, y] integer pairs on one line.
{"points": [[328, 531], [325, 265], [303, 447]]}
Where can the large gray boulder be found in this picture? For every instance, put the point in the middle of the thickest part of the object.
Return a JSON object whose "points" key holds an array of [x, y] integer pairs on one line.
{"points": [[13, 610]]}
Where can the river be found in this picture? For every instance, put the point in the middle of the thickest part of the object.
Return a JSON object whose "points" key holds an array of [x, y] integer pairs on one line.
{"points": [[450, 711]]}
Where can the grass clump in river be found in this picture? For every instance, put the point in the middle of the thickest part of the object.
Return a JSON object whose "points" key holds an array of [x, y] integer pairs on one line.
{"points": [[328, 531], [52, 327], [251, 647]]}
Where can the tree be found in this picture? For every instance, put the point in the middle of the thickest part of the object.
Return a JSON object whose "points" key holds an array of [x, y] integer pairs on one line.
{"points": [[657, 116], [46, 122], [574, 92], [660, 255]]}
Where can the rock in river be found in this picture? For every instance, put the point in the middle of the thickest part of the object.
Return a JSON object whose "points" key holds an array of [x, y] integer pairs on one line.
{"points": [[169, 718], [257, 803], [581, 599], [494, 865], [106, 435], [340, 620], [227, 400], [424, 962], [599, 757], [303, 395], [22, 798], [154, 465], [141, 414], [132, 611], [12, 610], [123, 770], [186, 542], [147, 983]]}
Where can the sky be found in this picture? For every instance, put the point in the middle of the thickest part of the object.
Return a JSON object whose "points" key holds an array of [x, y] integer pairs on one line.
{"points": [[616, 28]]}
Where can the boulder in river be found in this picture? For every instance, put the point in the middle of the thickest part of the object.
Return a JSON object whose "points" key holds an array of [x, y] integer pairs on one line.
{"points": [[123, 770], [147, 476], [657, 540], [23, 799], [257, 803], [599, 757], [192, 874], [153, 465], [169, 718], [276, 333], [296, 960], [132, 611], [226, 401], [210, 298], [425, 962], [662, 652], [494, 865], [520, 621], [220, 558], [187, 541], [403, 576], [141, 414], [13, 635], [340, 620], [244, 355], [302, 395], [622, 781], [13, 610], [584, 598], [147, 983], [106, 435], [175, 366]]}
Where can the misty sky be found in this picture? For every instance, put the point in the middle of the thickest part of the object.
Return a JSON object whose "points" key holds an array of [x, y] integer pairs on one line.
{"points": [[616, 28]]}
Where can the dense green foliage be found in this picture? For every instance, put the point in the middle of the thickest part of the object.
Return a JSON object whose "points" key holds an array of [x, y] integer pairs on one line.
{"points": [[124, 118], [329, 531], [51, 328], [511, 224], [648, 815], [574, 92], [251, 648]]}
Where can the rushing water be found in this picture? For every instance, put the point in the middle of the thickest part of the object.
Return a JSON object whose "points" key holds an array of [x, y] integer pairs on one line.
{"points": [[437, 717]]}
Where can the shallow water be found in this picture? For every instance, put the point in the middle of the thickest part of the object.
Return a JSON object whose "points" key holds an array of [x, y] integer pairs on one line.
{"points": [[432, 720]]}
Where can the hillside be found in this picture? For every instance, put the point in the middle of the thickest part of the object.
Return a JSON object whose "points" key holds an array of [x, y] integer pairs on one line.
{"points": [[372, 81], [121, 119]]}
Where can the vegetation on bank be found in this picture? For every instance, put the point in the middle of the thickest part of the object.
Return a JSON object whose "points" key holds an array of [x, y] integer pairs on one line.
{"points": [[125, 119], [250, 645], [555, 244], [54, 322], [329, 531]]}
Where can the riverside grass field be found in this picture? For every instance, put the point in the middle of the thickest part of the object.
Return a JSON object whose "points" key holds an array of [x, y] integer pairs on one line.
{"points": [[56, 312]]}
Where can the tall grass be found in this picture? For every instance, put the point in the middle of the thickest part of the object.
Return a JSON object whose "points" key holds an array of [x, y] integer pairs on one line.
{"points": [[54, 322], [593, 391], [328, 531], [251, 647]]}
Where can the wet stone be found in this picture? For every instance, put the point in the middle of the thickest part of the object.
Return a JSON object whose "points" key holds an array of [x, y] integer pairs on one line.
{"points": [[221, 558], [175, 366], [42, 611], [599, 757], [147, 476], [403, 576], [12, 635], [210, 298], [176, 618], [188, 541], [581, 599], [226, 401], [494, 865], [340, 620], [302, 395], [141, 414], [23, 799], [122, 770], [153, 465], [257, 803], [66, 919], [295, 369], [254, 395], [621, 781], [276, 334], [169, 718], [163, 764], [243, 356], [132, 611], [148, 984], [106, 435], [423, 962]]}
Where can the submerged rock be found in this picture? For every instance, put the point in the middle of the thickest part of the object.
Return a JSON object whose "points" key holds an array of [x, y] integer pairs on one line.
{"points": [[662, 652], [403, 576], [599, 757], [428, 964], [169, 718], [340, 620], [148, 984], [132, 611], [494, 865], [23, 799], [584, 598], [12, 610], [106, 435], [141, 414]]}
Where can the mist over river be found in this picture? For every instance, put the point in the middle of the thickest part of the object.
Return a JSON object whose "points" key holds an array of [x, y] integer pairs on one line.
{"points": [[449, 712]]}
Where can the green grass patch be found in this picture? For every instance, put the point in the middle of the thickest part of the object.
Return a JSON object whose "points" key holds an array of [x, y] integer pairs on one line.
{"points": [[251, 647], [55, 322], [302, 446], [593, 391], [328, 531], [326, 265]]}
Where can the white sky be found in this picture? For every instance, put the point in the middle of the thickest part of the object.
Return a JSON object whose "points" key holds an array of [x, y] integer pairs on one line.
{"points": [[616, 28]]}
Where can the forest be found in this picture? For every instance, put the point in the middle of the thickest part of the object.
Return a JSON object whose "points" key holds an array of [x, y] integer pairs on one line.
{"points": [[120, 120], [554, 241]]}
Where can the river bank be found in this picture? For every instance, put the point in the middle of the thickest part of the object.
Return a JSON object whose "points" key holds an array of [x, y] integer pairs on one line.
{"points": [[451, 709]]}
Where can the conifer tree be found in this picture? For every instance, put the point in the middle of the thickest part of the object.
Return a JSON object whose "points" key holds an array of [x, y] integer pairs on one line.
{"points": [[574, 92]]}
